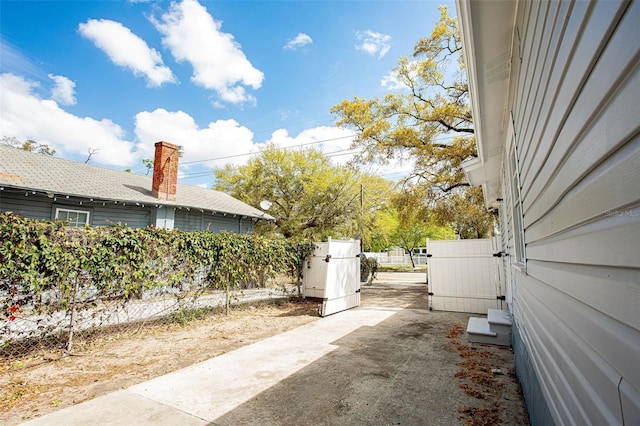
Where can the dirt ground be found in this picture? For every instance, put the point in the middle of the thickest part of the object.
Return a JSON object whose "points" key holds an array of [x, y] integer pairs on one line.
{"points": [[116, 361], [482, 374]]}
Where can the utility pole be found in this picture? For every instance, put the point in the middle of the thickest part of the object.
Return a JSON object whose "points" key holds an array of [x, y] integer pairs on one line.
{"points": [[360, 217]]}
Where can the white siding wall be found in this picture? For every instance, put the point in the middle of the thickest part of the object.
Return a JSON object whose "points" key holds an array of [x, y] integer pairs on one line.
{"points": [[574, 99]]}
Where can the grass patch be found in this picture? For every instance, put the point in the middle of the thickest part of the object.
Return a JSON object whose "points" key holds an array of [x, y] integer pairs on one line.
{"points": [[401, 268], [188, 315]]}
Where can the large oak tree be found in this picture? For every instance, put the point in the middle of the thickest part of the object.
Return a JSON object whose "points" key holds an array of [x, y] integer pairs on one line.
{"points": [[428, 121], [309, 195]]}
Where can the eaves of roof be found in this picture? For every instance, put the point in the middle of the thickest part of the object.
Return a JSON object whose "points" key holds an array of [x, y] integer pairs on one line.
{"points": [[59, 177], [487, 31]]}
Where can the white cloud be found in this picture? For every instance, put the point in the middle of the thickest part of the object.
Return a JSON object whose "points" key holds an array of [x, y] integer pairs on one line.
{"points": [[63, 92], [391, 82], [27, 116], [219, 64], [14, 60], [222, 138], [333, 141], [301, 40], [373, 43], [127, 50]]}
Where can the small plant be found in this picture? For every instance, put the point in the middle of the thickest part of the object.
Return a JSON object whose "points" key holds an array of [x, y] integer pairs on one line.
{"points": [[17, 365], [16, 390], [186, 316], [368, 268]]}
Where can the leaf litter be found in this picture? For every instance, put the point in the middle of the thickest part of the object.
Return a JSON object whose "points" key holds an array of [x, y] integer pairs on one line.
{"points": [[486, 375]]}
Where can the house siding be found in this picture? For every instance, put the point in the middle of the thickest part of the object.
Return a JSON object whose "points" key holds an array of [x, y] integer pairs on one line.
{"points": [[539, 413], [134, 217], [573, 100], [194, 220], [24, 204], [39, 206]]}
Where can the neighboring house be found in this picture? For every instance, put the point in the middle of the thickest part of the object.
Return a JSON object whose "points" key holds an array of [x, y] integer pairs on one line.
{"points": [[44, 187], [555, 91]]}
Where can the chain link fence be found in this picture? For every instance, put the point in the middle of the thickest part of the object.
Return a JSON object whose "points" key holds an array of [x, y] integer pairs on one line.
{"points": [[28, 332], [62, 286]]}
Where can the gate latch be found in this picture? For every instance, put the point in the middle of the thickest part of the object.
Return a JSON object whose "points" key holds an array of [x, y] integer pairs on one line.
{"points": [[326, 259], [498, 254]]}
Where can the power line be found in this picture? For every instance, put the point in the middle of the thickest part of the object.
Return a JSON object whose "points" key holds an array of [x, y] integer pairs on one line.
{"points": [[254, 153], [286, 147], [396, 173], [211, 172], [328, 154]]}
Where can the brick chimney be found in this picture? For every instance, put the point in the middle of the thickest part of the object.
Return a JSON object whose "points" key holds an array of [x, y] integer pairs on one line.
{"points": [[165, 170]]}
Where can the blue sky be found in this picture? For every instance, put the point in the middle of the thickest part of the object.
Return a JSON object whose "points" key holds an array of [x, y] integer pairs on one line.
{"points": [[221, 78]]}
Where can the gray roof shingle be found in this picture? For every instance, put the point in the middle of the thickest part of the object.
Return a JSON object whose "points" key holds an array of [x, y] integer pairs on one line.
{"points": [[44, 173]]}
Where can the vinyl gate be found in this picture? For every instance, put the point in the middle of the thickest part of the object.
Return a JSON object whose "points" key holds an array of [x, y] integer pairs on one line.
{"points": [[333, 275], [465, 275]]}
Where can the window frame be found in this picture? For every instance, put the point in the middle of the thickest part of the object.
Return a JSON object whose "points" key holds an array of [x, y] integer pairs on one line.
{"points": [[517, 214], [76, 224]]}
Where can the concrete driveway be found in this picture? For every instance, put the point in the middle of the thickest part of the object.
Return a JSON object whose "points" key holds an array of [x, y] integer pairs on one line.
{"points": [[402, 277], [386, 362]]}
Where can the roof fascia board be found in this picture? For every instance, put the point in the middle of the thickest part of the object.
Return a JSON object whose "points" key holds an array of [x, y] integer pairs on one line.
{"points": [[468, 52], [5, 186], [487, 36]]}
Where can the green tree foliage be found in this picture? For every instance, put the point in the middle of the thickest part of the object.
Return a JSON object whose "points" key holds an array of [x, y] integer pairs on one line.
{"points": [[28, 145], [148, 164], [310, 196], [429, 121], [415, 223], [466, 212], [384, 225], [413, 219], [374, 224], [406, 222]]}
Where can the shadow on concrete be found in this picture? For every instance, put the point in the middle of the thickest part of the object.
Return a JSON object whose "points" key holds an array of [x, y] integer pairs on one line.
{"points": [[399, 372]]}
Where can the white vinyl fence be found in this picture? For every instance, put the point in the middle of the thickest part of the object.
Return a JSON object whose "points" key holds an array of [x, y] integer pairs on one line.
{"points": [[465, 275], [389, 259]]}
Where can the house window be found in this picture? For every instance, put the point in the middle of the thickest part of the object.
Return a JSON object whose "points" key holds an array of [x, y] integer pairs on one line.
{"points": [[518, 227], [73, 217]]}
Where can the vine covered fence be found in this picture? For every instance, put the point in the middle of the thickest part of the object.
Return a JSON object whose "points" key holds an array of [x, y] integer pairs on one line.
{"points": [[58, 283]]}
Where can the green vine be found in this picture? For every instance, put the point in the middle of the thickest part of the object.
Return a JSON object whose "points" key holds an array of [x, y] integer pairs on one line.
{"points": [[46, 266]]}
